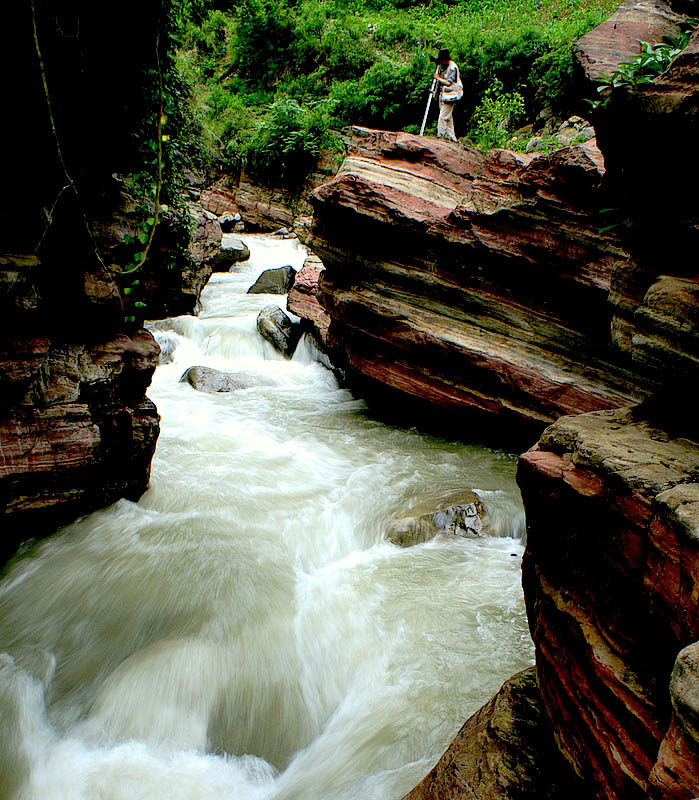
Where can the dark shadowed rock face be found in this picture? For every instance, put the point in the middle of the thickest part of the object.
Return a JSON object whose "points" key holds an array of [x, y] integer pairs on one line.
{"points": [[505, 751], [277, 328], [611, 580], [675, 775], [474, 284], [274, 281]]}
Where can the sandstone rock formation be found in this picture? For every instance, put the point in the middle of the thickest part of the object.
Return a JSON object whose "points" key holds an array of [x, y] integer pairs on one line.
{"points": [[475, 284], [268, 208], [303, 299], [206, 379], [459, 513], [676, 774], [277, 328], [617, 39], [77, 431], [611, 579], [494, 284], [274, 281], [505, 751]]}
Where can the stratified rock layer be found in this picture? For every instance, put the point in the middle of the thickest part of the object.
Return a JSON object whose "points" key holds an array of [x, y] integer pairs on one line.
{"points": [[77, 431], [304, 301], [475, 284], [611, 580], [505, 751]]}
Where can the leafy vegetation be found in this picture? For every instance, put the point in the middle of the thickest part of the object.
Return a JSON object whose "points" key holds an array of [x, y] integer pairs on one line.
{"points": [[496, 117], [271, 80], [651, 62]]}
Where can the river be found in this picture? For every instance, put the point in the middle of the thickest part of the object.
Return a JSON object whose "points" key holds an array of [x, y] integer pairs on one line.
{"points": [[245, 631]]}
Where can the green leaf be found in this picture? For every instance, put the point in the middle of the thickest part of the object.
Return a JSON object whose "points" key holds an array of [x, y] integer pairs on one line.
{"points": [[128, 290], [139, 304], [142, 237]]}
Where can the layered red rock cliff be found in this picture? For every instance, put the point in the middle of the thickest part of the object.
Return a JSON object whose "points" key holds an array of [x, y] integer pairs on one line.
{"points": [[611, 580], [485, 284], [76, 429], [611, 571], [475, 284]]}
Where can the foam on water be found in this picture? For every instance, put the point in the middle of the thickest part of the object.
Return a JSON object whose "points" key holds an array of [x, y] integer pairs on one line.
{"points": [[245, 631]]}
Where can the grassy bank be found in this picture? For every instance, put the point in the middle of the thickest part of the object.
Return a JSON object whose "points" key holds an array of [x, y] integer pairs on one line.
{"points": [[270, 79]]}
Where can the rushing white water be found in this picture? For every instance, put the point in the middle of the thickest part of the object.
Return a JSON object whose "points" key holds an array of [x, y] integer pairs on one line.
{"points": [[245, 631]]}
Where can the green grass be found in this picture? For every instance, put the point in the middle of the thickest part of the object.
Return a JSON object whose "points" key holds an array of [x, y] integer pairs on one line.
{"points": [[270, 80]]}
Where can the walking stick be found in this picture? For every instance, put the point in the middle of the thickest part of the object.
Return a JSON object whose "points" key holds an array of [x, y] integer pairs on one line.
{"points": [[432, 93]]}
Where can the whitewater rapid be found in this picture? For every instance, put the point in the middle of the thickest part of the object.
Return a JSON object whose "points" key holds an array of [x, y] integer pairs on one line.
{"points": [[245, 631]]}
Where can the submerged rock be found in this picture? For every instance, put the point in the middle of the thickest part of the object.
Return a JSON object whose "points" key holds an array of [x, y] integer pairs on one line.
{"points": [[168, 345], [277, 328], [206, 379], [505, 751], [458, 513], [274, 281]]}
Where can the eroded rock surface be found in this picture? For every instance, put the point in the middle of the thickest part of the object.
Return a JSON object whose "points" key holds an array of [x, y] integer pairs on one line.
{"points": [[617, 39], [77, 431], [474, 284], [277, 328], [206, 379], [675, 775], [505, 751], [450, 514], [611, 580], [303, 299]]}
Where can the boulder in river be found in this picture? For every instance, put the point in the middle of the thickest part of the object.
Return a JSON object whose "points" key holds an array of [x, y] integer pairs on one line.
{"points": [[232, 251], [277, 328], [455, 513], [228, 221], [206, 379], [168, 345], [274, 281]]}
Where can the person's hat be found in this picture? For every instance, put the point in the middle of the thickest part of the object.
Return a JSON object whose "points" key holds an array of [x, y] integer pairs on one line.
{"points": [[443, 55]]}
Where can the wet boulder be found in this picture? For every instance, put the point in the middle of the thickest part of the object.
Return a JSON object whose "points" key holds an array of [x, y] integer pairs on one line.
{"points": [[168, 345], [206, 379], [228, 221], [274, 281], [277, 328], [454, 513], [231, 252]]}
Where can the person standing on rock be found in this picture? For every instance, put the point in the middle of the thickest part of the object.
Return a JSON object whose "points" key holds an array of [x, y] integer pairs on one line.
{"points": [[451, 89]]}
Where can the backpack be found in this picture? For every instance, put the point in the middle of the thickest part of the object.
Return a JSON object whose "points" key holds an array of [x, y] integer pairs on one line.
{"points": [[450, 94]]}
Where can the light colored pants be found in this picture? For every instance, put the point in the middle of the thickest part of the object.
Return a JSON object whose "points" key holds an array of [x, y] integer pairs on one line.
{"points": [[445, 125]]}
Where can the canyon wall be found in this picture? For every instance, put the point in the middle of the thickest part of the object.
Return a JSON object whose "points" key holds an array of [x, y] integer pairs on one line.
{"points": [[76, 429], [492, 288], [474, 283], [611, 570]]}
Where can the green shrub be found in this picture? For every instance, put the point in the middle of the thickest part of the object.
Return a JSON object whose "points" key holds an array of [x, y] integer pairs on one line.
{"points": [[285, 146], [264, 36], [496, 117]]}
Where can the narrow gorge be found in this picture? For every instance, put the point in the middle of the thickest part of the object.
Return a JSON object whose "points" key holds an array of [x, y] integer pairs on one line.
{"points": [[386, 486]]}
